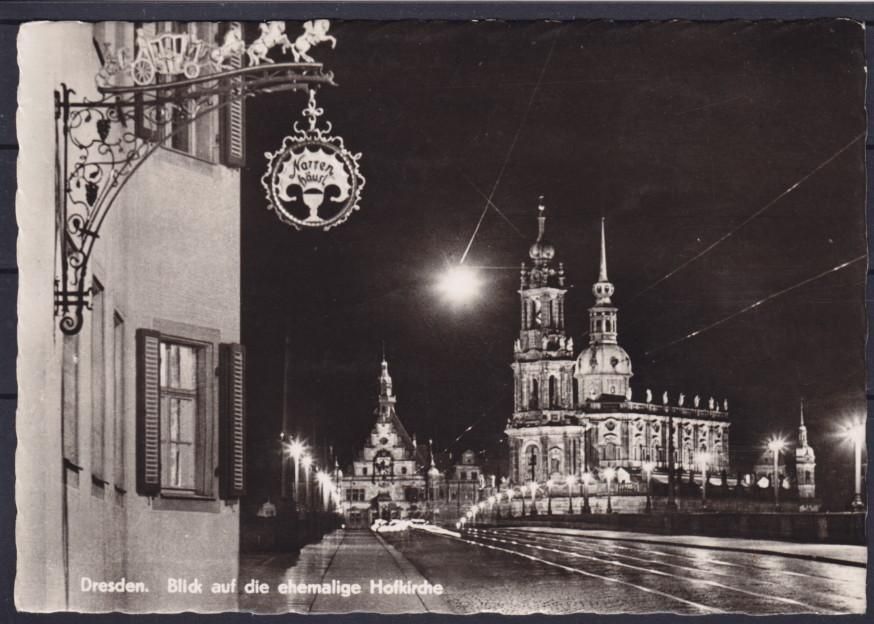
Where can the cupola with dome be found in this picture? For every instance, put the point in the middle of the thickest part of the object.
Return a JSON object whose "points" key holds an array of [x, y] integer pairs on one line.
{"points": [[603, 368]]}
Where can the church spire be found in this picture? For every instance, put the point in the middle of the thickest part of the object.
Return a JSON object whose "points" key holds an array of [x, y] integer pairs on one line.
{"points": [[602, 274], [603, 289], [802, 430]]}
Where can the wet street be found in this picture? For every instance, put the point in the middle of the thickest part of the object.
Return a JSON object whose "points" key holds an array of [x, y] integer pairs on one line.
{"points": [[522, 570]]}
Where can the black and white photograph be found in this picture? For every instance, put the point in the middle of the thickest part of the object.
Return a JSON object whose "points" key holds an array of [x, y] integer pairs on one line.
{"points": [[409, 316]]}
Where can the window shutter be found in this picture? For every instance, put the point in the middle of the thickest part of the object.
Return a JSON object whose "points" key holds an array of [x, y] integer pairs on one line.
{"points": [[232, 421], [148, 412], [233, 117]]}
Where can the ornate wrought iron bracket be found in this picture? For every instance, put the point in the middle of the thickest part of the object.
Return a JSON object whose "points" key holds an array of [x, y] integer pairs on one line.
{"points": [[101, 144]]}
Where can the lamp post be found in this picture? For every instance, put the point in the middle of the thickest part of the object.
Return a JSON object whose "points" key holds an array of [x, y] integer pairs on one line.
{"points": [[571, 480], [549, 485], [533, 487], [609, 474], [704, 460], [855, 432], [295, 451], [672, 501], [587, 476], [307, 462], [776, 445], [648, 467], [522, 498], [510, 502]]}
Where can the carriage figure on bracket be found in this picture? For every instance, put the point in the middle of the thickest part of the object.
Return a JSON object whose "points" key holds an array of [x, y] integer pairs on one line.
{"points": [[167, 54]]}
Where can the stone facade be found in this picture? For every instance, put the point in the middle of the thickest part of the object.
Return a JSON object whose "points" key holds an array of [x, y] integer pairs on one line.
{"points": [[574, 415]]}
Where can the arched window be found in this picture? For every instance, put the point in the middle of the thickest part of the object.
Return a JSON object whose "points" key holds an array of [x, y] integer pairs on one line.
{"points": [[576, 391], [553, 392], [534, 400]]}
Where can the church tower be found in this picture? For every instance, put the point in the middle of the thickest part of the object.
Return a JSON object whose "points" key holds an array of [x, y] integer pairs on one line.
{"points": [[604, 368], [543, 355], [805, 464]]}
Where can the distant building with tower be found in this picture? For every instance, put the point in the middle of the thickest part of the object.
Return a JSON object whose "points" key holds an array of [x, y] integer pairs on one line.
{"points": [[576, 413], [805, 464], [394, 477]]}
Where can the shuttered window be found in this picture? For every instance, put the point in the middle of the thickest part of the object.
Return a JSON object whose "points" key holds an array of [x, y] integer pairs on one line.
{"points": [[175, 423], [167, 120], [148, 412], [233, 119], [232, 412]]}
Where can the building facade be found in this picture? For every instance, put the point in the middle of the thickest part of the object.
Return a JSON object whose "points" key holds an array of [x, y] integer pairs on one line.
{"points": [[122, 452], [575, 414], [394, 477]]}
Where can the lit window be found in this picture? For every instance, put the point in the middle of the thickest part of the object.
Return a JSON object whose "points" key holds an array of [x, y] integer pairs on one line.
{"points": [[180, 414]]}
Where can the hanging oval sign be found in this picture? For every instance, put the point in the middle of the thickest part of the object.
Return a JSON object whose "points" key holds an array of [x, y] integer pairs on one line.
{"points": [[313, 181]]}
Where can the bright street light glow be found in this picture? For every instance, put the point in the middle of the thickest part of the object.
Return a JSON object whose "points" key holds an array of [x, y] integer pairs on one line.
{"points": [[776, 444], [609, 474], [306, 461], [648, 467], [855, 432], [460, 284], [295, 449]]}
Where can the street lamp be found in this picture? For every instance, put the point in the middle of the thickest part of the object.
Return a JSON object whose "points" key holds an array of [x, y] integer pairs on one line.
{"points": [[307, 462], [549, 485], [609, 474], [587, 477], [295, 450], [571, 481], [855, 433], [510, 494], [460, 284], [533, 488], [648, 467], [704, 461], [776, 446]]}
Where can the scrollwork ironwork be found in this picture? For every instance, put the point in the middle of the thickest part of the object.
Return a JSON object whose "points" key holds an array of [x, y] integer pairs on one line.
{"points": [[99, 146]]}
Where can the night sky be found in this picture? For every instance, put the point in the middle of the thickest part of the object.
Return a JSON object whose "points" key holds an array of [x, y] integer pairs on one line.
{"points": [[675, 132]]}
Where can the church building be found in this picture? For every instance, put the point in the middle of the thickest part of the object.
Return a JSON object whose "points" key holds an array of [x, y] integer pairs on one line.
{"points": [[575, 413]]}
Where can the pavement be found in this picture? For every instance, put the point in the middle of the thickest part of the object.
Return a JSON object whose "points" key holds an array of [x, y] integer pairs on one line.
{"points": [[387, 581], [525, 570], [828, 553]]}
